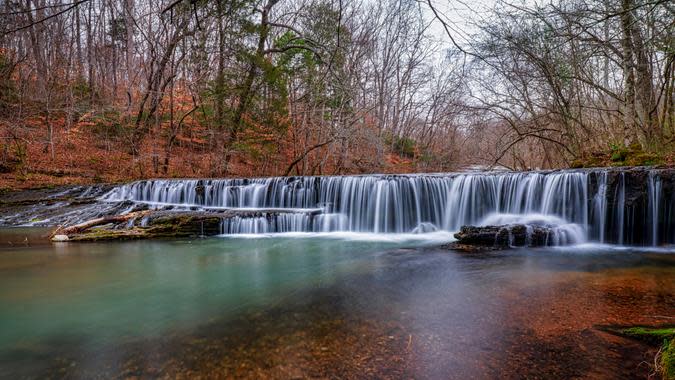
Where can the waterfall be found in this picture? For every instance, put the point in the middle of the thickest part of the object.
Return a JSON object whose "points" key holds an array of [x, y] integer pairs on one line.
{"points": [[561, 231], [654, 187], [600, 207], [620, 208], [267, 224], [590, 205]]}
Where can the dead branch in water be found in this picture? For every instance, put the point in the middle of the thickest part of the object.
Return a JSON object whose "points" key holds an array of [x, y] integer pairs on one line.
{"points": [[99, 221]]}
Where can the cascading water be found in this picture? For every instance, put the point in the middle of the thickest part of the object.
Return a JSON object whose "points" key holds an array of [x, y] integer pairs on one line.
{"points": [[582, 205], [561, 232], [599, 207], [654, 188], [620, 211]]}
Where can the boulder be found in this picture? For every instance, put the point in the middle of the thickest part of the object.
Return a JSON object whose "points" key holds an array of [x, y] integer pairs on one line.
{"points": [[505, 236]]}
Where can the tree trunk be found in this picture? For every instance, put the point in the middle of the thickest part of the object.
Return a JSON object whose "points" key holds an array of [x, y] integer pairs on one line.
{"points": [[247, 94], [129, 51], [628, 70]]}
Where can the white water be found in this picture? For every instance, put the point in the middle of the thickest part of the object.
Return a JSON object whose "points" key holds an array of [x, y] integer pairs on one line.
{"points": [[561, 231], [654, 186], [620, 216], [600, 206], [415, 204]]}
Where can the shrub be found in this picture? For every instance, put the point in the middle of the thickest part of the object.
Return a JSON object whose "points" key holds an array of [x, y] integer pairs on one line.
{"points": [[403, 146]]}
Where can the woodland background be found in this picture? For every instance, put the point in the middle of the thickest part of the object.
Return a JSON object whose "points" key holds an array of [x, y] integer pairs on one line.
{"points": [[103, 90]]}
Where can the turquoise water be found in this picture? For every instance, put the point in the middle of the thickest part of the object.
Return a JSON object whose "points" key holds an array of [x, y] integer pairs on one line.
{"points": [[64, 303], [108, 292]]}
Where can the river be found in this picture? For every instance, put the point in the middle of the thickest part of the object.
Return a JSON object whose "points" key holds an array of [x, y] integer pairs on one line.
{"points": [[324, 305]]}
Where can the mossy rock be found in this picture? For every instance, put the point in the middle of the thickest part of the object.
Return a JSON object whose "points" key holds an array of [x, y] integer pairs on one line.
{"points": [[664, 336], [652, 334], [161, 225], [668, 361], [99, 234], [619, 155], [591, 160], [644, 159]]}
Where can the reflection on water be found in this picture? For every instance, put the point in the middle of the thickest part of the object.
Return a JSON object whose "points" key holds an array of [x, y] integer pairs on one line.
{"points": [[292, 306]]}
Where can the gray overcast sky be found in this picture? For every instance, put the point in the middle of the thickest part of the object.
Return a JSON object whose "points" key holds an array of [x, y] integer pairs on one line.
{"points": [[459, 14]]}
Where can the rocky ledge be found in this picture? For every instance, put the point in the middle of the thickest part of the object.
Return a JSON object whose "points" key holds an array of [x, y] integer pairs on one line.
{"points": [[141, 225], [155, 224], [488, 238]]}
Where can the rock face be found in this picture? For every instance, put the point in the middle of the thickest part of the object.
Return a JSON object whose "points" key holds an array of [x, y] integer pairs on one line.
{"points": [[150, 224], [517, 235], [630, 215], [55, 206], [142, 225]]}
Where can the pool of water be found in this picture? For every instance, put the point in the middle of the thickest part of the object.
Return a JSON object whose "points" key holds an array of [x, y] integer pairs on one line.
{"points": [[302, 305]]}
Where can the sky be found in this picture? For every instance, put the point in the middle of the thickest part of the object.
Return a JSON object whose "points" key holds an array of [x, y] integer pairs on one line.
{"points": [[459, 15]]}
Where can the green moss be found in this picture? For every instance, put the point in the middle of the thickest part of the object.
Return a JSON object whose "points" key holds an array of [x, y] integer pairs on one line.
{"points": [[634, 155], [619, 155], [668, 361], [169, 226], [664, 336], [648, 332], [101, 234]]}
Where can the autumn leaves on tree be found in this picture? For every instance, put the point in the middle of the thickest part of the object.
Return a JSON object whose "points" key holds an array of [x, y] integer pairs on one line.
{"points": [[105, 90]]}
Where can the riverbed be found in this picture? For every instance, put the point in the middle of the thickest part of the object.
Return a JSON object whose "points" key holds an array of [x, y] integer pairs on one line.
{"points": [[341, 305]]}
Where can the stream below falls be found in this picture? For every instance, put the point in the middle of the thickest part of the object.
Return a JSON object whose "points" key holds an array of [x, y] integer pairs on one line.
{"points": [[324, 306]]}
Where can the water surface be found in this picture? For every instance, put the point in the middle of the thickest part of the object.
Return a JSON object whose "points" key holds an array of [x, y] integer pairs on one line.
{"points": [[324, 306]]}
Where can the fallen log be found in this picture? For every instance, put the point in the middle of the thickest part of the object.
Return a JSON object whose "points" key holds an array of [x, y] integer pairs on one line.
{"points": [[100, 221]]}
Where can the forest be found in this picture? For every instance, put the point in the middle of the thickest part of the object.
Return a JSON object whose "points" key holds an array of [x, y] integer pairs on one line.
{"points": [[104, 90], [337, 189]]}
